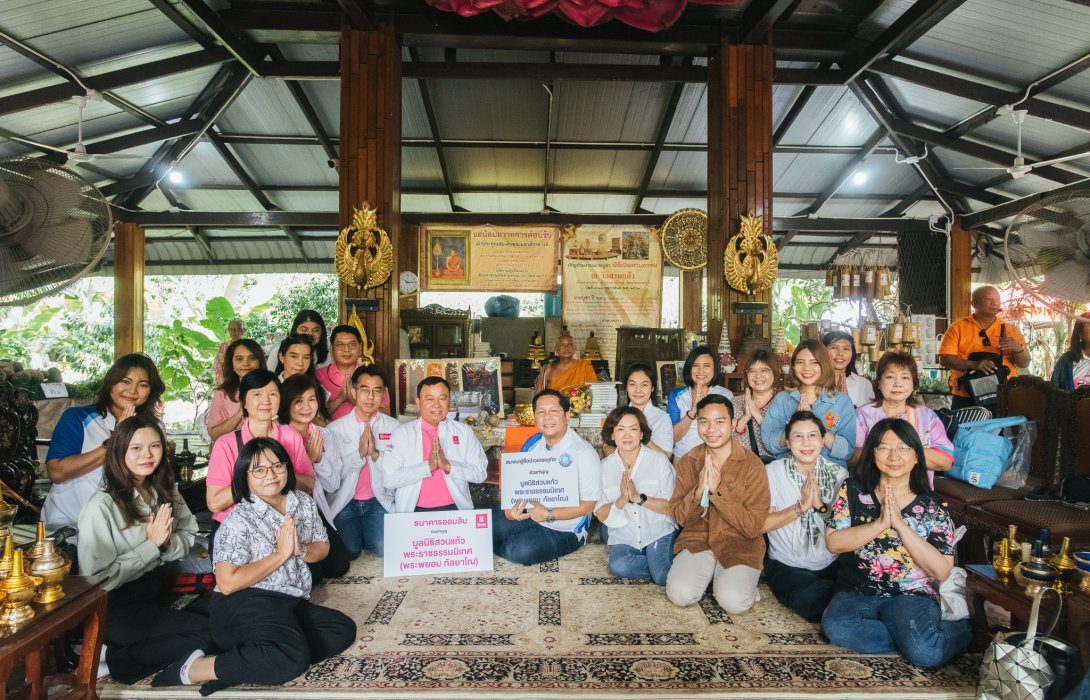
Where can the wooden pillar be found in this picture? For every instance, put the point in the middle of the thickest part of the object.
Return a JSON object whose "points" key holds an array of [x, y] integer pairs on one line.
{"points": [[961, 271], [739, 168], [370, 159], [128, 289]]}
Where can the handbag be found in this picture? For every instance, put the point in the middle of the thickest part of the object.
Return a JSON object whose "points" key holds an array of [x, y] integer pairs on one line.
{"points": [[1027, 666], [983, 387], [980, 456]]}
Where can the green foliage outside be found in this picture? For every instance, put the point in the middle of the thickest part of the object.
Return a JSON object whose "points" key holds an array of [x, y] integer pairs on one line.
{"points": [[276, 315]]}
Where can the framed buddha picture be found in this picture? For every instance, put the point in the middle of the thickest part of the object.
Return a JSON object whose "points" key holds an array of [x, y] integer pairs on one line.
{"points": [[447, 262]]}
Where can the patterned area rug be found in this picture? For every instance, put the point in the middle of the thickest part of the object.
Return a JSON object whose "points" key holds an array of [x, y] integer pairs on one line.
{"points": [[568, 627]]}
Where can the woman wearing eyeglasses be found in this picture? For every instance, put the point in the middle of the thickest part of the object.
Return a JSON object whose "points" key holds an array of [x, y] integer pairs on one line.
{"points": [[799, 569], [898, 380], [262, 619], [896, 545]]}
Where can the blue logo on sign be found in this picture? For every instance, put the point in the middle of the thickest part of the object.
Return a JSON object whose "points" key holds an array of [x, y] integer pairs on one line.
{"points": [[565, 460]]}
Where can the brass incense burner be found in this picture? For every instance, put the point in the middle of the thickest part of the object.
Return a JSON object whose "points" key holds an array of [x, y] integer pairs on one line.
{"points": [[19, 590], [51, 568], [7, 514]]}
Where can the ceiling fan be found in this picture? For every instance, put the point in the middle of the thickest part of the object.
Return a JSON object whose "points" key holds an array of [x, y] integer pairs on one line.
{"points": [[1020, 168], [78, 154]]}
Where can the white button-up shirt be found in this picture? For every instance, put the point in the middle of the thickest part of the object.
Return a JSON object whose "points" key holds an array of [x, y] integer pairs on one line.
{"points": [[634, 525]]}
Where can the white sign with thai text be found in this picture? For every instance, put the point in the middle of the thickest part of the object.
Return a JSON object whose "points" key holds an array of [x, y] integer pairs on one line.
{"points": [[441, 542], [551, 479]]}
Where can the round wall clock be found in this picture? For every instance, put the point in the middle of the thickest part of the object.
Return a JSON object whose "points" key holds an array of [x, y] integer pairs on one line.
{"points": [[407, 282]]}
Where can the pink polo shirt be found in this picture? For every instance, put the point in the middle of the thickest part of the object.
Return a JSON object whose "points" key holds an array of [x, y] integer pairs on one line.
{"points": [[331, 378], [363, 486], [221, 463], [220, 409], [433, 489]]}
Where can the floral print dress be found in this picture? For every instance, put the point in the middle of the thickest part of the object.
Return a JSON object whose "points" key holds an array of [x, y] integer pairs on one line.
{"points": [[884, 567]]}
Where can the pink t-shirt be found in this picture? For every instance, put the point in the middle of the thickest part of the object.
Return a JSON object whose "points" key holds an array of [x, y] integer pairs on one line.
{"points": [[363, 486], [221, 463], [220, 409], [433, 489], [331, 379]]}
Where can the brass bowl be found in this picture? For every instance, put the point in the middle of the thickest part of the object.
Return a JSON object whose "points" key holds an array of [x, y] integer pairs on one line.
{"points": [[524, 414], [7, 514], [50, 590]]}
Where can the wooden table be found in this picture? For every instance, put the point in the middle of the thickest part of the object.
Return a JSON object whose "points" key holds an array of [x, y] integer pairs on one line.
{"points": [[1074, 616], [83, 603]]}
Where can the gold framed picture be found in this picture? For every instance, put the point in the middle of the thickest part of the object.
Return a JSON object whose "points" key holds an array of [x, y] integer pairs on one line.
{"points": [[445, 254]]}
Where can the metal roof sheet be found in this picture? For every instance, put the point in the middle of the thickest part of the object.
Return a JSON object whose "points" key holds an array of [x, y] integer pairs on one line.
{"points": [[587, 168], [938, 109], [420, 168], [425, 203], [1012, 41], [286, 165], [806, 172], [500, 203], [681, 170], [668, 205], [593, 203], [204, 165], [170, 97], [610, 111], [832, 117], [690, 124], [265, 107], [501, 110], [492, 167]]}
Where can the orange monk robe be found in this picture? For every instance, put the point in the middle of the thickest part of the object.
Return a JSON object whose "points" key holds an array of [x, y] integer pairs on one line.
{"points": [[578, 373]]}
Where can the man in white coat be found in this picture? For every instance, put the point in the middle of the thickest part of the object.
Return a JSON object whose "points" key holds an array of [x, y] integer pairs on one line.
{"points": [[529, 532], [360, 438], [432, 461]]}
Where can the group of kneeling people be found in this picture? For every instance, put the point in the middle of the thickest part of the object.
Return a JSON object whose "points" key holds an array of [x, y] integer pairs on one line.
{"points": [[295, 500]]}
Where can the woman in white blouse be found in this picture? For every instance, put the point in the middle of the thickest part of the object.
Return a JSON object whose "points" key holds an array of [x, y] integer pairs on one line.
{"points": [[262, 619], [637, 483], [639, 384]]}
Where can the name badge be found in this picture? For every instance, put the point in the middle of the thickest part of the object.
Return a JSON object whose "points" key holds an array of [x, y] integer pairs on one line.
{"points": [[384, 436], [455, 439]]}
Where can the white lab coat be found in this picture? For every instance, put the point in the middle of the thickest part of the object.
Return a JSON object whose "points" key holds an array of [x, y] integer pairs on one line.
{"points": [[345, 435], [402, 468]]}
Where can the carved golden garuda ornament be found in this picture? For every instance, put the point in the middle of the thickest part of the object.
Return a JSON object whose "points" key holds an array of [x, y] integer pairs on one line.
{"points": [[364, 256], [367, 347], [751, 261]]}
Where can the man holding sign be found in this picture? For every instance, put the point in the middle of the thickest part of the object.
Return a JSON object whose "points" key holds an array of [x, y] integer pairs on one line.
{"points": [[432, 461], [530, 532]]}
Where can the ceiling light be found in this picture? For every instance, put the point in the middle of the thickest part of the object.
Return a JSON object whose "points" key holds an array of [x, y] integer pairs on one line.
{"points": [[174, 176], [858, 178]]}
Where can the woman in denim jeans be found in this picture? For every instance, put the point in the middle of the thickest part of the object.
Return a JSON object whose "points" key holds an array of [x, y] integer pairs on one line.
{"points": [[637, 483], [896, 545]]}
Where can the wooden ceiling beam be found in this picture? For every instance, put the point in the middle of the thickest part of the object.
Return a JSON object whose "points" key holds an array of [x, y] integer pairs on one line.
{"points": [[360, 13], [758, 18], [876, 138], [249, 55]]}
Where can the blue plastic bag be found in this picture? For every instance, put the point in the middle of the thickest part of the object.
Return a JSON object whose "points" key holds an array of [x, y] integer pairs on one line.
{"points": [[981, 456]]}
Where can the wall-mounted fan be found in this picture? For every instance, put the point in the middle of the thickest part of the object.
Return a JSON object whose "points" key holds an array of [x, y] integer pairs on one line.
{"points": [[1020, 168], [1047, 250], [54, 228]]}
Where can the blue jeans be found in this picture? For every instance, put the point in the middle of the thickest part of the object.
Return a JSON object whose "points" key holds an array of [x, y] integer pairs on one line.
{"points": [[361, 524], [909, 624], [526, 542], [804, 591], [652, 562]]}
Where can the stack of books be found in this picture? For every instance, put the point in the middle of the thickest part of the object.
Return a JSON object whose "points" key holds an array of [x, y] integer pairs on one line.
{"points": [[603, 399]]}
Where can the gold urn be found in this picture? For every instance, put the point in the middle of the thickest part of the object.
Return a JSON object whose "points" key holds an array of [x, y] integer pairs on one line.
{"points": [[524, 414], [51, 568], [19, 590], [6, 562], [35, 550], [1003, 564]]}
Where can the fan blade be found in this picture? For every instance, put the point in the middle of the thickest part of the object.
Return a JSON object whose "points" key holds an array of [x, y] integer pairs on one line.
{"points": [[1052, 161], [988, 168], [62, 194], [993, 271], [10, 271], [68, 243], [1068, 281], [10, 208], [1044, 234]]}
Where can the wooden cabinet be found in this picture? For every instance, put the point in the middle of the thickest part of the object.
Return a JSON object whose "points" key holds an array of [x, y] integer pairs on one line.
{"points": [[436, 332], [649, 345]]}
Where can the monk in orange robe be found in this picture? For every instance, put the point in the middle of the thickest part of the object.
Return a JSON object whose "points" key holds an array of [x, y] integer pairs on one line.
{"points": [[566, 371]]}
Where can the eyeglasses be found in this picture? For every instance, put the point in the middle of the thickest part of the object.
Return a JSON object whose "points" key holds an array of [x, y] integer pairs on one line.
{"points": [[986, 342], [263, 471], [550, 412], [902, 450], [368, 391], [346, 346]]}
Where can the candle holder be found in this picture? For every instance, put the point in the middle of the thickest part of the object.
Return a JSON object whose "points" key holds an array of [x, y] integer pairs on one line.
{"points": [[51, 568], [1012, 540], [19, 590], [1003, 564], [1063, 561]]}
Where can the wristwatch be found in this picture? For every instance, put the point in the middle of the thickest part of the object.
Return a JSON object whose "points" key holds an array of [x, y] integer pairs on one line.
{"points": [[643, 499], [549, 517]]}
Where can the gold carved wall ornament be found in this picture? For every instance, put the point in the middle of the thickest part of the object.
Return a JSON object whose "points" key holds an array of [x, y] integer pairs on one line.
{"points": [[684, 238], [751, 261], [364, 255]]}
